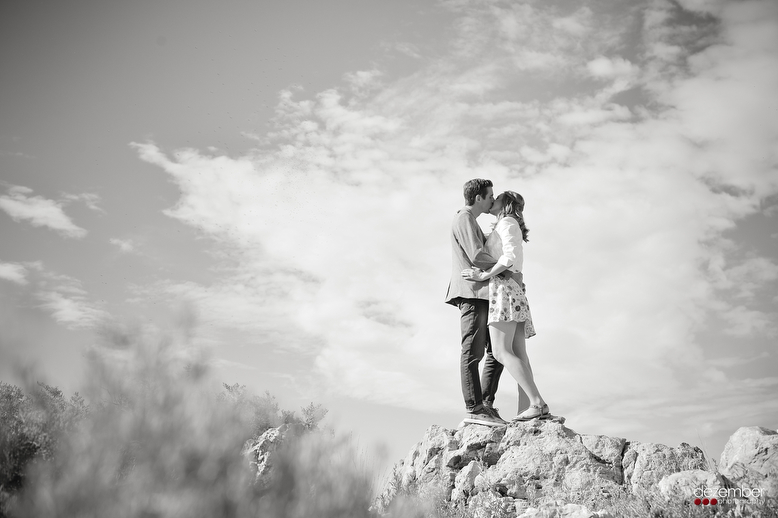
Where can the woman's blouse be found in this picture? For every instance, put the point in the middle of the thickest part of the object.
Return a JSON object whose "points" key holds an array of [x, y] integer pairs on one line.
{"points": [[505, 242]]}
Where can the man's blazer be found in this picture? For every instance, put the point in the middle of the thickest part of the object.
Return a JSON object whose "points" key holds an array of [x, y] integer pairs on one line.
{"points": [[467, 250]]}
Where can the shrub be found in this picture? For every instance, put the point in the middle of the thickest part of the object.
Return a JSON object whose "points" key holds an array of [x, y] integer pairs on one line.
{"points": [[160, 441], [31, 426]]}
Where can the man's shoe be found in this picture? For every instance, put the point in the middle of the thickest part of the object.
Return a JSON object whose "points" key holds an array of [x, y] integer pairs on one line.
{"points": [[494, 413], [482, 416]]}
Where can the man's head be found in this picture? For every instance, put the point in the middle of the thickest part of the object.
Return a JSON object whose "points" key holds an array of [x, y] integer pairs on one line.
{"points": [[479, 195]]}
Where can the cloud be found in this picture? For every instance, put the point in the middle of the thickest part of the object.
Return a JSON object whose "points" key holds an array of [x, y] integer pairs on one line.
{"points": [[732, 361], [334, 230], [91, 200], [746, 277], [124, 245], [60, 295], [64, 297], [39, 212], [71, 309], [363, 81], [18, 154], [221, 363], [408, 49], [13, 272], [603, 67]]}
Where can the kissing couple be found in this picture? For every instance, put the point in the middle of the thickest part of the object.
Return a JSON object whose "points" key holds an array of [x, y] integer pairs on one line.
{"points": [[487, 286]]}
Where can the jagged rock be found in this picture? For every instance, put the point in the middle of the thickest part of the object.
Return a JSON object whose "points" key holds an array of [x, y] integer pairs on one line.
{"points": [[474, 438], [488, 504], [501, 471], [427, 468], [753, 447], [474, 443], [425, 460], [464, 482], [498, 465], [609, 449], [564, 511], [683, 484], [551, 456], [260, 451], [750, 459], [645, 464], [506, 484]]}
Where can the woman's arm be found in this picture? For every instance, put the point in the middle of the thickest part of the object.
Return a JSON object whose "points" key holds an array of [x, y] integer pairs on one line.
{"points": [[510, 235]]}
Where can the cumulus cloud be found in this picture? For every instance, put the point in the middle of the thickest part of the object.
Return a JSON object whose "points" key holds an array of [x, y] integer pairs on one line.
{"points": [[13, 272], [39, 212], [335, 230], [363, 81]]}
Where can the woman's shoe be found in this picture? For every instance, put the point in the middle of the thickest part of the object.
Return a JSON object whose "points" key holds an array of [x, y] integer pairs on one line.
{"points": [[533, 415], [546, 414]]}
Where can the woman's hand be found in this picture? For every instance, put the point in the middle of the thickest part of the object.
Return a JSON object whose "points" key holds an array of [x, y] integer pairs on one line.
{"points": [[474, 274]]}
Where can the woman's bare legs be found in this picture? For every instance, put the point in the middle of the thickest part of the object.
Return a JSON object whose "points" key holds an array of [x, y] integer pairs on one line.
{"points": [[523, 401], [509, 348]]}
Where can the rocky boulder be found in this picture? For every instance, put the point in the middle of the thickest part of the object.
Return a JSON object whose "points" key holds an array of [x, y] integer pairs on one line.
{"points": [[260, 451], [646, 464], [750, 459], [504, 470], [684, 483]]}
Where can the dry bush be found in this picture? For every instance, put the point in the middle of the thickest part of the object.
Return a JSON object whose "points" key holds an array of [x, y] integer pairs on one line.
{"points": [[160, 441]]}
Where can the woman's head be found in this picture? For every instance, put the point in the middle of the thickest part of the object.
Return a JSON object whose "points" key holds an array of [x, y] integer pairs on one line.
{"points": [[507, 204], [511, 204]]}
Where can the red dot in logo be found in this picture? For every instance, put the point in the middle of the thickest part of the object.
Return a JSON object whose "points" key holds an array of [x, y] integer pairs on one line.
{"points": [[697, 501], [713, 501], [704, 501]]}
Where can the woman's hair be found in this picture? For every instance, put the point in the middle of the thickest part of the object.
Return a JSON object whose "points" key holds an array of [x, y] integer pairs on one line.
{"points": [[513, 205]]}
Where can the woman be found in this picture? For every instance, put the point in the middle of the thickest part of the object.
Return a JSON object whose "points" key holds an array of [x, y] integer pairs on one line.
{"points": [[510, 322]]}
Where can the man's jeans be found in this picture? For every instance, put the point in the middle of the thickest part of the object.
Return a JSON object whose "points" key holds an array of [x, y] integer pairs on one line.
{"points": [[475, 342]]}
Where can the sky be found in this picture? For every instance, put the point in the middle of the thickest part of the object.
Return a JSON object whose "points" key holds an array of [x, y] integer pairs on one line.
{"points": [[283, 176]]}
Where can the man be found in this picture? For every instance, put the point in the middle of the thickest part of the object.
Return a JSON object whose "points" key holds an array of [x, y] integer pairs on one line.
{"points": [[472, 299]]}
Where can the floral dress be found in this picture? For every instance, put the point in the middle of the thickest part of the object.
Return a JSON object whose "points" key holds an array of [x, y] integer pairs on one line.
{"points": [[507, 299]]}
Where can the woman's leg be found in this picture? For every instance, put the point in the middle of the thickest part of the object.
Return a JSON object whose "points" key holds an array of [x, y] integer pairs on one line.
{"points": [[523, 402], [519, 345], [519, 348], [503, 336]]}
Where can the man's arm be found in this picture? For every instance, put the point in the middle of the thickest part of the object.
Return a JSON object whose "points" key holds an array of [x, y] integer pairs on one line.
{"points": [[470, 240]]}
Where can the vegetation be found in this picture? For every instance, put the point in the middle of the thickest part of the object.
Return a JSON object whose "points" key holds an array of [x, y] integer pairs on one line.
{"points": [[158, 439], [31, 427]]}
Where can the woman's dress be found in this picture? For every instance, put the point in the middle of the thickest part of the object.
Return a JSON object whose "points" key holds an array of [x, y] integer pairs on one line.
{"points": [[507, 299]]}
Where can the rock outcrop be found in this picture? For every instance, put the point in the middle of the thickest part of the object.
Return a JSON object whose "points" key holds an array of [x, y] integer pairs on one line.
{"points": [[542, 468], [750, 459], [505, 471], [260, 452]]}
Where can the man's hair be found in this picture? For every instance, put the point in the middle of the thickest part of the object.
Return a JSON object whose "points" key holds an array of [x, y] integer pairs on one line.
{"points": [[475, 187]]}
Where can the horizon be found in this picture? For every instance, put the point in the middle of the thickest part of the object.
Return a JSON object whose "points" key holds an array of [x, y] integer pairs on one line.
{"points": [[284, 175]]}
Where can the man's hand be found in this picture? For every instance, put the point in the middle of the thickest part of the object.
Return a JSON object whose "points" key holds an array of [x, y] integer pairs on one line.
{"points": [[474, 274]]}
